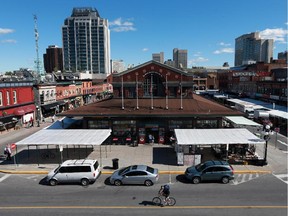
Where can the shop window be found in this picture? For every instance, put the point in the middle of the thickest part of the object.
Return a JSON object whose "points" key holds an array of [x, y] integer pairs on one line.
{"points": [[1, 99], [206, 124], [8, 97], [14, 97]]}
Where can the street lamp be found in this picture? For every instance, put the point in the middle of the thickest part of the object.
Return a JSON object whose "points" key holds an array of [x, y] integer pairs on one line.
{"points": [[37, 116], [266, 137]]}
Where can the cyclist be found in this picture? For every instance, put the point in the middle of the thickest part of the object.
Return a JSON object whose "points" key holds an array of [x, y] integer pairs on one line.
{"points": [[165, 191]]}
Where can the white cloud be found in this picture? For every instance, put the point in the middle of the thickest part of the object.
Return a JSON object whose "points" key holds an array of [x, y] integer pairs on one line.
{"points": [[224, 44], [224, 50], [6, 31], [277, 34], [120, 25], [197, 54], [9, 41], [197, 60], [145, 49]]}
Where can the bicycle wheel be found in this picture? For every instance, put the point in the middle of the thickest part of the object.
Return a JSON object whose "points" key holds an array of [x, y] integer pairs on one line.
{"points": [[171, 201], [156, 201]]}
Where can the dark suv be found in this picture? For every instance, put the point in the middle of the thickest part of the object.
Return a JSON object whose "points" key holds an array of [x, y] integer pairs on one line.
{"points": [[210, 171]]}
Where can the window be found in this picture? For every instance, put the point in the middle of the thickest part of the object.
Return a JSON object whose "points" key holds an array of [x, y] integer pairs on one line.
{"points": [[14, 97], [8, 97], [210, 169], [96, 165], [136, 173], [1, 99]]}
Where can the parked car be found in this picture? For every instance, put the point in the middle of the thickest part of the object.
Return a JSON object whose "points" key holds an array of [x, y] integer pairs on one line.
{"points": [[136, 174], [210, 171], [77, 171]]}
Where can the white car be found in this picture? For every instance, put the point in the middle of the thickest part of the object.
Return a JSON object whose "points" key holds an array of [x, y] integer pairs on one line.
{"points": [[77, 171]]}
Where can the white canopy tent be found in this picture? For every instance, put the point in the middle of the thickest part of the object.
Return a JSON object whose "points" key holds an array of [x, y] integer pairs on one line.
{"points": [[216, 136], [67, 137], [191, 138], [61, 137], [240, 120]]}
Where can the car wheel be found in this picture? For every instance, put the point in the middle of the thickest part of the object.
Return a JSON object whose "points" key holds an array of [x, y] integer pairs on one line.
{"points": [[148, 183], [53, 182], [225, 180], [196, 180], [117, 182], [84, 182]]}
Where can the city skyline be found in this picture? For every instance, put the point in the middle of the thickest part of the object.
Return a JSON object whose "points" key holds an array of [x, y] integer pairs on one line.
{"points": [[140, 28]]}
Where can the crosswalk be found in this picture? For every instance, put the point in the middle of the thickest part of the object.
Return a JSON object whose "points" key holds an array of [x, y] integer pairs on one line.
{"points": [[282, 177], [242, 178]]}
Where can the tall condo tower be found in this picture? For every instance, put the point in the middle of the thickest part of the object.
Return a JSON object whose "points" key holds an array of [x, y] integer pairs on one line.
{"points": [[86, 43], [158, 57], [250, 47]]}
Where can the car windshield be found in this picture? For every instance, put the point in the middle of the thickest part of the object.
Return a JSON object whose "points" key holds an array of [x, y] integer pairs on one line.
{"points": [[56, 170], [123, 170], [200, 167]]}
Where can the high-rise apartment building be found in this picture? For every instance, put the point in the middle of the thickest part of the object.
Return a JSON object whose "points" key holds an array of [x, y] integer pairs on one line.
{"points": [[159, 57], [117, 66], [250, 47], [86, 43], [180, 58], [283, 55], [53, 59]]}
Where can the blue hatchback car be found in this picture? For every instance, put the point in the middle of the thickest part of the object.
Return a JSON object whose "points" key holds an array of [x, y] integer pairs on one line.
{"points": [[210, 171]]}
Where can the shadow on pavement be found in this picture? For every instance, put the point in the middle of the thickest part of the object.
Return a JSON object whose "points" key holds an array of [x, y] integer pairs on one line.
{"points": [[148, 203], [165, 156], [182, 179]]}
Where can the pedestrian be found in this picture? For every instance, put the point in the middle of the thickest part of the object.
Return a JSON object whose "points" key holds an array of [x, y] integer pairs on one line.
{"points": [[7, 152], [53, 118], [31, 122], [151, 138]]}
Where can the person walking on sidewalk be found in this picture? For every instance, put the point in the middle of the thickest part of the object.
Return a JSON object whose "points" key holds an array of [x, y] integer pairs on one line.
{"points": [[7, 152]]}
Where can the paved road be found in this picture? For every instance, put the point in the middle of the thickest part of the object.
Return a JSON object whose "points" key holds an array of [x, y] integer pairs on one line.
{"points": [[26, 195]]}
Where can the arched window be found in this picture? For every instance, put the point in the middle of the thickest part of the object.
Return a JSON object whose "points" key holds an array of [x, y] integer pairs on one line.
{"points": [[153, 83]]}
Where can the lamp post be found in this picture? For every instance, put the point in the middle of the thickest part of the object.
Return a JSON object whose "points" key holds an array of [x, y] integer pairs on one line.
{"points": [[38, 116], [266, 137]]}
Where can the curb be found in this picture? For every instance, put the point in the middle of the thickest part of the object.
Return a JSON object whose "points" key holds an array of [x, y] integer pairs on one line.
{"points": [[160, 172]]}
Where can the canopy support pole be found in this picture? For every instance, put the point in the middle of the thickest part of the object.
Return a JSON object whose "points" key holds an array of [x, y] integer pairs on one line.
{"points": [[100, 156], [227, 148]]}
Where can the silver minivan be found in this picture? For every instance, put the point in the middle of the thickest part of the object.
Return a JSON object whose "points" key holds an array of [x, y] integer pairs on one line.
{"points": [[84, 171]]}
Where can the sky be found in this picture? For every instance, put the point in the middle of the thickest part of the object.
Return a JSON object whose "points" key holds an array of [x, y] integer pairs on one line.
{"points": [[139, 28]]}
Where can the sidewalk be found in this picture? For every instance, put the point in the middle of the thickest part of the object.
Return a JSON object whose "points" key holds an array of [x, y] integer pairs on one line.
{"points": [[159, 156]]}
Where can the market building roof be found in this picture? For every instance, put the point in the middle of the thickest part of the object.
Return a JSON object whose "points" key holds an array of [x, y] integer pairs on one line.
{"points": [[196, 106]]}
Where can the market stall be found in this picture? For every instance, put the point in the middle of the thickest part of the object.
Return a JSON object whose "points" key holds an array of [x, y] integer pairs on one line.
{"points": [[237, 145]]}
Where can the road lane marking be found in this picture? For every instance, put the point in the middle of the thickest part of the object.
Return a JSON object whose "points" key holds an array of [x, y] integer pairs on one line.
{"points": [[4, 177], [283, 143], [142, 207], [282, 177]]}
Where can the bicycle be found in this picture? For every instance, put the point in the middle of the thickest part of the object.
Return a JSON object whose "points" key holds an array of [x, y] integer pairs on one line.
{"points": [[169, 201]]}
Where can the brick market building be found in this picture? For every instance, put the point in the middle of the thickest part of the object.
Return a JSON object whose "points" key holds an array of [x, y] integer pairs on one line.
{"points": [[152, 98]]}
